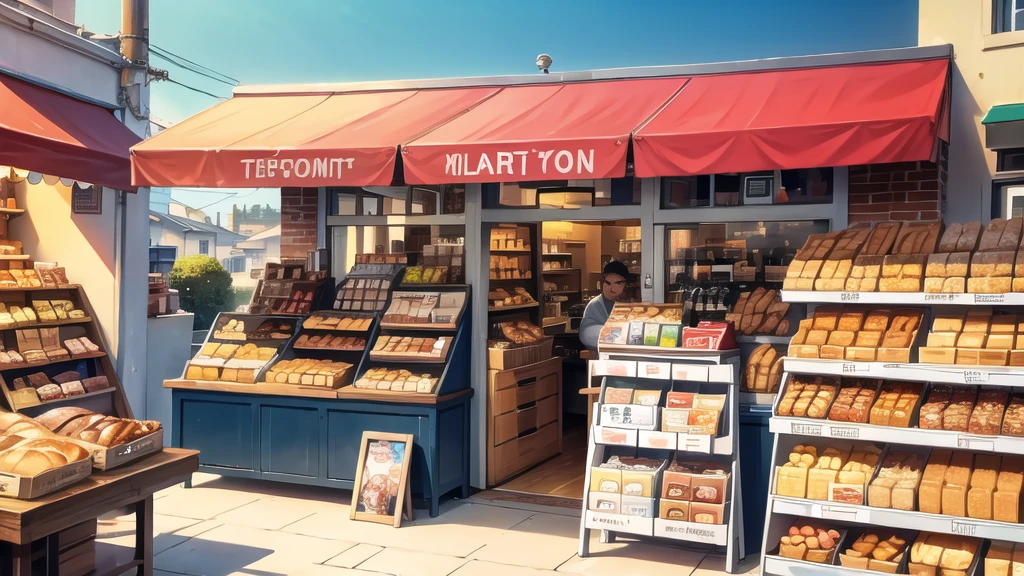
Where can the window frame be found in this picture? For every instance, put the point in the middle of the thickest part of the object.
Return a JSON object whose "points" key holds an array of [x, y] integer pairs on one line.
{"points": [[999, 24], [204, 247], [156, 265]]}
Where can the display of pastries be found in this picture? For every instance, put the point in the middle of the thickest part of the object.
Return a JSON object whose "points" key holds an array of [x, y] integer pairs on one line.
{"points": [[411, 346], [760, 312], [353, 323], [945, 554], [499, 297], [330, 342], [875, 550], [853, 333], [896, 483], [365, 293], [808, 396], [88, 426], [425, 275], [308, 372], [854, 401], [810, 543], [229, 362], [398, 380], [412, 308]]}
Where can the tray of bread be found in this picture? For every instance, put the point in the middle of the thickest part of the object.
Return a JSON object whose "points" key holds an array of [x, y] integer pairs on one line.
{"points": [[367, 293], [342, 322], [248, 328], [34, 461], [15, 278], [309, 372], [500, 297], [811, 542], [337, 343], [411, 348], [396, 380], [424, 310], [41, 311], [425, 275], [42, 347], [763, 370], [240, 363], [38, 388], [858, 334], [760, 312], [112, 441]]}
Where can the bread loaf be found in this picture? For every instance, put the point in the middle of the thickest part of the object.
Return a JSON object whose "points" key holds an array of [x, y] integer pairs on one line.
{"points": [[932, 480], [88, 426], [950, 238], [969, 237], [990, 237], [1006, 502]]}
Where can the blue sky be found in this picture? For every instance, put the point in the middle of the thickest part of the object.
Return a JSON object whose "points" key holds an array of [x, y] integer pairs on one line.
{"points": [[275, 41]]}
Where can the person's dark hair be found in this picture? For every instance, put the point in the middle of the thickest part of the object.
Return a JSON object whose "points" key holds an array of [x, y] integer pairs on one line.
{"points": [[615, 267]]}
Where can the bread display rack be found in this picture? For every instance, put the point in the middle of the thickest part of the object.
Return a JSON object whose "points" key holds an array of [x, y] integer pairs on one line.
{"points": [[975, 434], [691, 376], [411, 356]]}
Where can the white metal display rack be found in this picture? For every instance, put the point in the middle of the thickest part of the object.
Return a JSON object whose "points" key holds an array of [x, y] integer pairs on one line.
{"points": [[711, 372], [783, 511]]}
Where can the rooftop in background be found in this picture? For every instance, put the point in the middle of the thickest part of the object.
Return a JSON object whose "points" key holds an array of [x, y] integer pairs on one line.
{"points": [[195, 226]]}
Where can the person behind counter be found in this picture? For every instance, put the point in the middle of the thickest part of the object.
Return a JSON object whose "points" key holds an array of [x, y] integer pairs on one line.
{"points": [[613, 284]]}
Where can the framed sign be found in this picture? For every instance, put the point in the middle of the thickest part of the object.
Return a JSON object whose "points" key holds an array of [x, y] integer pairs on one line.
{"points": [[381, 488], [86, 200], [758, 189]]}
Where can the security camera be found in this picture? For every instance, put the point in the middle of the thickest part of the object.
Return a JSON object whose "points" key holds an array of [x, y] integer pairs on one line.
{"points": [[543, 63]]}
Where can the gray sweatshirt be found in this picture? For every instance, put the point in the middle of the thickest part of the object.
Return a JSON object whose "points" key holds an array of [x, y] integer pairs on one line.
{"points": [[594, 317]]}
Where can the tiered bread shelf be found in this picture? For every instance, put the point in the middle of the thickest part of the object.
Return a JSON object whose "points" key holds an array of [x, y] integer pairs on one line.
{"points": [[852, 518], [715, 516]]}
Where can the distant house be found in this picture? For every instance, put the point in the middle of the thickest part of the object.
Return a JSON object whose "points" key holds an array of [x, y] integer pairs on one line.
{"points": [[189, 238], [257, 250]]}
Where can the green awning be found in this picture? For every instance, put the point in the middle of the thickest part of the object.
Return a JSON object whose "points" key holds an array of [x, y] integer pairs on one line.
{"points": [[1004, 113]]}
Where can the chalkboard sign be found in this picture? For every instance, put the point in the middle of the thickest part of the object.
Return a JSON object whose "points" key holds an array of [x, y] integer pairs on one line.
{"points": [[86, 200]]}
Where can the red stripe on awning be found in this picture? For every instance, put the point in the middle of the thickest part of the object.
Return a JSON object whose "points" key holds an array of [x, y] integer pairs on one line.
{"points": [[539, 132], [51, 133], [839, 116], [297, 140]]}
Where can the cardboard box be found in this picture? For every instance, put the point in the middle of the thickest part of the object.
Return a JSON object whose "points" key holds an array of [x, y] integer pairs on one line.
{"points": [[637, 506], [674, 510], [709, 488], [702, 513], [27, 487], [605, 480], [607, 503], [629, 416]]}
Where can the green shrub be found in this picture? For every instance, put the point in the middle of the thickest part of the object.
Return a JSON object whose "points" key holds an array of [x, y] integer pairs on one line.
{"points": [[203, 286]]}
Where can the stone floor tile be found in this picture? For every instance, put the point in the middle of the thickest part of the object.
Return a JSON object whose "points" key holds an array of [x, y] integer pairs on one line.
{"points": [[354, 556], [271, 513], [408, 563], [481, 568], [197, 529], [459, 532], [324, 570], [202, 503], [550, 540], [227, 549], [123, 533], [632, 558], [714, 565]]}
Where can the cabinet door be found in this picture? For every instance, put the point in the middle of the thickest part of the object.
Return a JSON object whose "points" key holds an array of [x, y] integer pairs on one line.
{"points": [[221, 431], [345, 433], [290, 440]]}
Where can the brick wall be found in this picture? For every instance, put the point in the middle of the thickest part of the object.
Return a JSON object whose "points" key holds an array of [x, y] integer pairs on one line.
{"points": [[899, 191], [298, 222]]}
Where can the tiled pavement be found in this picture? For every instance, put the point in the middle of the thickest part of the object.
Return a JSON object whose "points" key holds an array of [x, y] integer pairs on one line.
{"points": [[225, 526]]}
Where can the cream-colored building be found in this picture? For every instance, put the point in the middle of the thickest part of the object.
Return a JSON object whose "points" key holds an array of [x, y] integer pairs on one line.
{"points": [[986, 148]]}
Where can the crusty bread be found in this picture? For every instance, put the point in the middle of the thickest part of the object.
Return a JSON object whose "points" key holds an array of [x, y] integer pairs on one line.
{"points": [[97, 428], [36, 455], [58, 417]]}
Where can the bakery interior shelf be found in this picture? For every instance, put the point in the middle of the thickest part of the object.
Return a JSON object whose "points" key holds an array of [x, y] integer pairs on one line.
{"points": [[561, 271], [513, 307], [819, 428], [73, 399], [937, 373], [49, 323], [890, 518], [902, 298], [654, 372], [34, 365], [14, 257], [512, 251], [39, 289], [12, 211], [268, 389]]}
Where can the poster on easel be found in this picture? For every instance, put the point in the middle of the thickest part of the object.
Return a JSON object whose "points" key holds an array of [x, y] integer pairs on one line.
{"points": [[381, 490]]}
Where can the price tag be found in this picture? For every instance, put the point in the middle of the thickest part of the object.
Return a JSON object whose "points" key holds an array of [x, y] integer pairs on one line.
{"points": [[849, 297], [694, 443], [961, 528], [976, 443], [855, 368], [989, 298], [939, 297], [806, 429], [975, 377], [837, 513], [844, 432]]}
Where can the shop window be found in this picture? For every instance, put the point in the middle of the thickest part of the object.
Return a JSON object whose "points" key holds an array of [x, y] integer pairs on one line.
{"points": [[204, 247], [732, 253], [1010, 160], [686, 192], [1008, 199], [453, 199], [234, 265], [567, 194], [727, 189], [161, 259], [806, 186], [397, 200], [427, 245], [1009, 16]]}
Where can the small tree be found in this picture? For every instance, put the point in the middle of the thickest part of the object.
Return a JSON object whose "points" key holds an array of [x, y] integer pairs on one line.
{"points": [[203, 286]]}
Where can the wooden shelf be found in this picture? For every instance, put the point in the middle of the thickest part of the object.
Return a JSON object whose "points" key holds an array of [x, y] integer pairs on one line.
{"points": [[270, 389], [558, 254], [510, 279], [86, 356], [512, 251], [560, 271], [12, 211], [73, 399], [39, 288], [49, 323], [352, 393], [323, 349], [512, 307], [12, 257]]}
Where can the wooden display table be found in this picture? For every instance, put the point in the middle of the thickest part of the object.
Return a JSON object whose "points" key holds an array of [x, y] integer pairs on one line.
{"points": [[25, 521]]}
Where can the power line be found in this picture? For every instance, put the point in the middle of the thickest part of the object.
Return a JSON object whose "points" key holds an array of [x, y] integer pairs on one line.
{"points": [[199, 72], [172, 54], [210, 94]]}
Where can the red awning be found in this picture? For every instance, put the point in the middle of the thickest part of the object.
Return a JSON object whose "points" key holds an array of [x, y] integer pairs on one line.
{"points": [[540, 132], [48, 132], [838, 116], [297, 140]]}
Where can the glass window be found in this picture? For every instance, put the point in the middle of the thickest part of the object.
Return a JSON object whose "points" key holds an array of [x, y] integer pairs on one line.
{"points": [[727, 189], [427, 245], [732, 253], [204, 247], [397, 200], [1009, 16], [806, 186], [1010, 160], [453, 199], [161, 259], [568, 194], [686, 191]]}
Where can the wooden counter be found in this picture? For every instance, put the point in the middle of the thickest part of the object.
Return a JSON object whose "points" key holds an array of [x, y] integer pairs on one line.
{"points": [[25, 521]]}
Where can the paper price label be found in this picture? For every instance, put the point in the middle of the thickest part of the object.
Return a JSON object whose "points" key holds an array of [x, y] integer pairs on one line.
{"points": [[806, 429], [973, 443], [939, 297], [855, 368], [844, 432], [961, 528], [837, 513], [849, 297], [989, 298], [975, 377]]}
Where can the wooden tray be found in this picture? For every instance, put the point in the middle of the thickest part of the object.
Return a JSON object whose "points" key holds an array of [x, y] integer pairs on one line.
{"points": [[382, 356], [107, 457], [27, 487]]}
